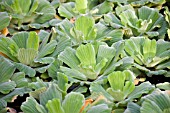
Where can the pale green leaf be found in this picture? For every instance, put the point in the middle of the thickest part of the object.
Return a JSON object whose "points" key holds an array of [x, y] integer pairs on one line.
{"points": [[81, 5], [26, 56], [101, 108], [68, 57], [33, 41], [52, 92], [73, 102], [54, 106], [86, 55], [4, 20], [89, 32]]}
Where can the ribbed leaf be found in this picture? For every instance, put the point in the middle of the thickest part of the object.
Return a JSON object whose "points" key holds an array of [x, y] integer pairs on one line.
{"points": [[33, 41], [105, 51], [86, 55], [101, 108], [31, 106], [116, 80], [149, 49], [143, 88], [156, 102], [26, 69], [132, 108], [16, 92], [165, 86], [27, 56], [73, 102], [98, 89], [4, 20], [81, 5], [68, 57], [7, 69], [89, 32], [54, 106], [9, 48], [66, 10], [19, 79], [52, 92], [73, 73], [107, 33], [46, 10], [133, 47], [21, 39], [62, 81], [47, 49], [6, 87]]}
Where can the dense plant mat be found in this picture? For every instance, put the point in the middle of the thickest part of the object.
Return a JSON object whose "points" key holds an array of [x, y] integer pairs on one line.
{"points": [[84, 56]]}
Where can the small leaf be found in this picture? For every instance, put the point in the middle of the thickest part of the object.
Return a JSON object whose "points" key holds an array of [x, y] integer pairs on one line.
{"points": [[54, 106], [81, 5], [73, 102], [27, 56], [33, 41]]}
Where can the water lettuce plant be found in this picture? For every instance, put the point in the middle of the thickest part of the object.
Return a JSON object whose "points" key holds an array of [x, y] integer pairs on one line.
{"points": [[145, 22], [84, 56], [149, 54], [26, 52], [28, 13]]}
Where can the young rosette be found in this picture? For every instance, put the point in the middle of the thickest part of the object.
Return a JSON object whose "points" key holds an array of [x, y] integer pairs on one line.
{"points": [[143, 22], [150, 56], [29, 52], [91, 62], [121, 89], [28, 14]]}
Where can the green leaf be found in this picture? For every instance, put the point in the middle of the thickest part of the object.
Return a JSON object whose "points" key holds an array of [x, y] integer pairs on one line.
{"points": [[66, 10], [4, 20], [7, 69], [109, 34], [31, 106], [105, 51], [143, 88], [149, 49], [73, 102], [81, 5], [16, 92], [98, 89], [157, 102], [89, 32], [54, 106], [3, 104], [62, 81], [6, 87], [132, 108], [116, 80], [102, 8], [27, 56], [101, 108], [73, 73], [26, 69], [33, 41], [68, 57], [21, 39], [47, 49], [9, 48], [52, 92], [86, 55], [19, 79], [165, 86]]}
